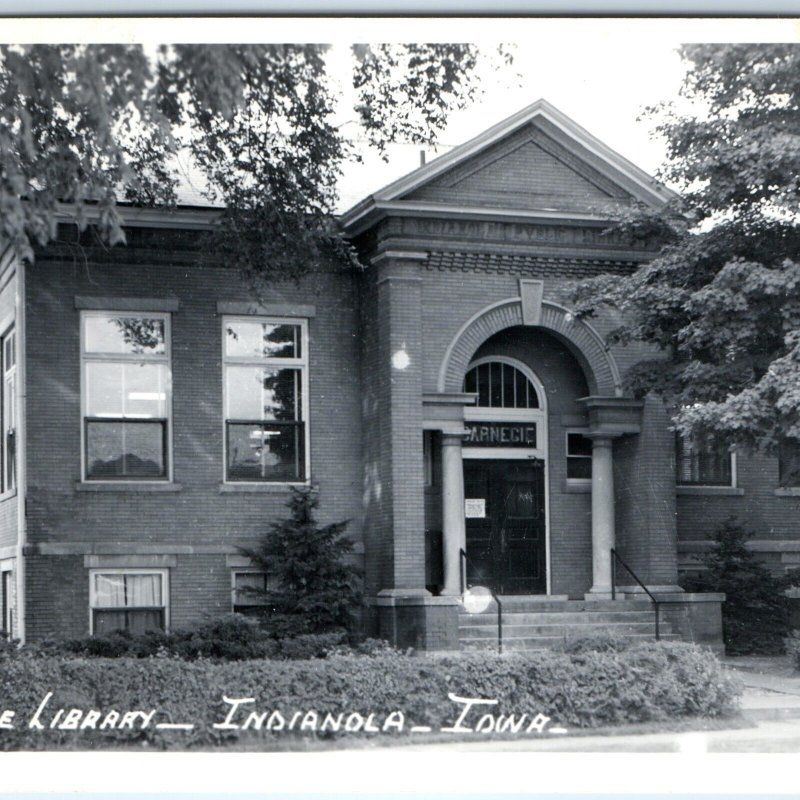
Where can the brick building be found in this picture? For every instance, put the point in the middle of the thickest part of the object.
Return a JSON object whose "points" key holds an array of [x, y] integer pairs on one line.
{"points": [[153, 413]]}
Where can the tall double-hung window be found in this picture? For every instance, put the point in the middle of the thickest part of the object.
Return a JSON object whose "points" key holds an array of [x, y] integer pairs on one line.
{"points": [[266, 391], [126, 395], [8, 356], [702, 465]]}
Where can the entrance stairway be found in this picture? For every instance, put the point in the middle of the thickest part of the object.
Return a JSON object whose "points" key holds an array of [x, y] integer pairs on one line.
{"points": [[534, 623]]}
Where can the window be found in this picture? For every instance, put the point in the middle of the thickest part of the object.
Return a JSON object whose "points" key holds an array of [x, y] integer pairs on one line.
{"points": [[427, 459], [266, 390], [789, 463], [8, 356], [699, 465], [246, 597], [500, 385], [126, 396], [6, 631], [130, 600], [579, 457]]}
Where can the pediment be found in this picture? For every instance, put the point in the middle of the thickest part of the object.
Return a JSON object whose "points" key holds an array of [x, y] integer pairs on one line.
{"points": [[529, 169]]}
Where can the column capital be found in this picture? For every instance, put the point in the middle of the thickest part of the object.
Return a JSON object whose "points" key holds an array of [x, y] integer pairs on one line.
{"points": [[613, 416]]}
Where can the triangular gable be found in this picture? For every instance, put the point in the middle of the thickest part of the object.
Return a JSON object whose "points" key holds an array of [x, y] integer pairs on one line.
{"points": [[537, 155], [527, 170]]}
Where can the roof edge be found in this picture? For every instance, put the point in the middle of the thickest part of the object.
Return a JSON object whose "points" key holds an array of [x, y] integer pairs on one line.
{"points": [[651, 190]]}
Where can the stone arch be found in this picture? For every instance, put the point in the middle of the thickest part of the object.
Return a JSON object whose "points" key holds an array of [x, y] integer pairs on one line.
{"points": [[582, 339]]}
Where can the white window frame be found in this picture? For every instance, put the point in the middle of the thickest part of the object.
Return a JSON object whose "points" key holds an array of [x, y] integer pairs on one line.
{"points": [[574, 481], [494, 414], [427, 458], [9, 411], [700, 486], [6, 589], [541, 451], [301, 363], [163, 572], [165, 358], [785, 486]]}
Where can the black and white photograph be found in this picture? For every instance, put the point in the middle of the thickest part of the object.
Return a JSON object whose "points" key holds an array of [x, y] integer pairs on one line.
{"points": [[391, 385]]}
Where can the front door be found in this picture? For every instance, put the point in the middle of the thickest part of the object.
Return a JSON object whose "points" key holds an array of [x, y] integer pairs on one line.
{"points": [[506, 531]]}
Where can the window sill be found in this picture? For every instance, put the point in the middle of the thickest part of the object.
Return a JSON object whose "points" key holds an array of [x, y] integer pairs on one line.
{"points": [[257, 488], [576, 487], [723, 491], [8, 495], [781, 491], [127, 486]]}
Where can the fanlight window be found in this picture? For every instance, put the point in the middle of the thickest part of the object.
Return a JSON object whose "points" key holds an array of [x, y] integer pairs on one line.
{"points": [[500, 385]]}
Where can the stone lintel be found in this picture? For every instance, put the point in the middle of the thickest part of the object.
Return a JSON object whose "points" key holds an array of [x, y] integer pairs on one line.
{"points": [[286, 309], [129, 562], [613, 416]]}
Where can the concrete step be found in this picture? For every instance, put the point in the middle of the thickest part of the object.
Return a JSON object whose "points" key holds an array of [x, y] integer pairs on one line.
{"points": [[564, 617], [516, 604], [557, 629], [525, 643]]}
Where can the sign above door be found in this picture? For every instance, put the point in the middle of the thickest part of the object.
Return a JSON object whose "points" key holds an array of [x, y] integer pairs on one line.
{"points": [[500, 434]]}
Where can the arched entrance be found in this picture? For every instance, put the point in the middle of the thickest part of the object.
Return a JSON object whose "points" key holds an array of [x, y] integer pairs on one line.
{"points": [[505, 478]]}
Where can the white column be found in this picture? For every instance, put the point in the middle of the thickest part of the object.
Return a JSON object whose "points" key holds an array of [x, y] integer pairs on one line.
{"points": [[454, 532], [602, 517]]}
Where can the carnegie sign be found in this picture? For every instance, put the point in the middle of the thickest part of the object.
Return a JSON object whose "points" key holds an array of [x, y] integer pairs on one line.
{"points": [[500, 434]]}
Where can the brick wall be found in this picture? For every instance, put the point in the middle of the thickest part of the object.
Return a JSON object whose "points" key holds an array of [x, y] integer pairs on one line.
{"points": [[528, 169], [644, 469], [197, 520], [392, 357]]}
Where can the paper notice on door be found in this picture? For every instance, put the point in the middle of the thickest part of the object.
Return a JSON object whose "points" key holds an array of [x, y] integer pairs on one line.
{"points": [[475, 508]]}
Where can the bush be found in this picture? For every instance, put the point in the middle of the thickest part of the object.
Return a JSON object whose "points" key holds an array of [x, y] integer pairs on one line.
{"points": [[596, 643], [756, 614], [231, 638], [792, 644], [646, 682], [316, 590]]}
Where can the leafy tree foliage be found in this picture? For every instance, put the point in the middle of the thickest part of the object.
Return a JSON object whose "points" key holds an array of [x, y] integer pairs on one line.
{"points": [[722, 299], [756, 615], [315, 589], [81, 125]]}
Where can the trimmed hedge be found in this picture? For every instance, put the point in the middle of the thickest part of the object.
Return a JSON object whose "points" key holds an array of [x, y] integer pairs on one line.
{"points": [[647, 682]]}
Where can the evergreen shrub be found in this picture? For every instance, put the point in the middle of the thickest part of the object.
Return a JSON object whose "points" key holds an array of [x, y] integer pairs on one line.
{"points": [[756, 614]]}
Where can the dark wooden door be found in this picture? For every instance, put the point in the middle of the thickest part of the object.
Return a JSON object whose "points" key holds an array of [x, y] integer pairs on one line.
{"points": [[506, 547]]}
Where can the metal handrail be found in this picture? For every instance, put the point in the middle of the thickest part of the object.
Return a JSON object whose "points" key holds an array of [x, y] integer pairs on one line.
{"points": [[615, 556], [464, 558]]}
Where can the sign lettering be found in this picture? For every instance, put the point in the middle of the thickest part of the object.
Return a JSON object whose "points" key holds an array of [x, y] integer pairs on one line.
{"points": [[501, 434]]}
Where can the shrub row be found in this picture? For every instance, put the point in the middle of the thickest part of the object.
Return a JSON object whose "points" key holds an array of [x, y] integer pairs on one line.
{"points": [[647, 682], [231, 638]]}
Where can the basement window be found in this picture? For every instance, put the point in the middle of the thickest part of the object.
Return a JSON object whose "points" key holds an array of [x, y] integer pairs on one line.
{"points": [[128, 600]]}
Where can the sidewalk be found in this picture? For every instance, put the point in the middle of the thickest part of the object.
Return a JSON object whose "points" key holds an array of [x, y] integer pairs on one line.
{"points": [[772, 686]]}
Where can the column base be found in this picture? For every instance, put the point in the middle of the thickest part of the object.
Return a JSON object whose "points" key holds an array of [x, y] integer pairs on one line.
{"points": [[598, 593], [655, 588], [408, 618]]}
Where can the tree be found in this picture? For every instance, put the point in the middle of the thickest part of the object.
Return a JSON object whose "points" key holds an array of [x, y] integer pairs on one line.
{"points": [[82, 125], [722, 298], [315, 589], [756, 614]]}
